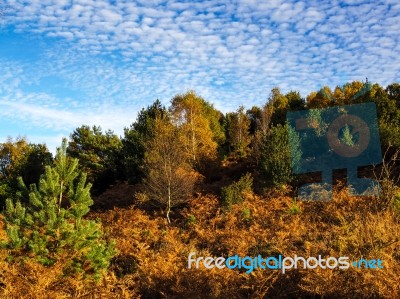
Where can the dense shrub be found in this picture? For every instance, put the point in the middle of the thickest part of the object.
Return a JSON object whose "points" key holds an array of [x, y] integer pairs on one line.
{"points": [[278, 156], [236, 192]]}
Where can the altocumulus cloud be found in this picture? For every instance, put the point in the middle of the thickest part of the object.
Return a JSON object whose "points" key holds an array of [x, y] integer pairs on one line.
{"points": [[99, 62]]}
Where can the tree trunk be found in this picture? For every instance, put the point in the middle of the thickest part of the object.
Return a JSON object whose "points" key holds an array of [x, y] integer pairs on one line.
{"points": [[169, 203], [60, 199], [193, 135]]}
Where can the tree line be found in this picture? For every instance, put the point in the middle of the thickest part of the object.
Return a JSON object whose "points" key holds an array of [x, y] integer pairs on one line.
{"points": [[175, 146], [169, 150]]}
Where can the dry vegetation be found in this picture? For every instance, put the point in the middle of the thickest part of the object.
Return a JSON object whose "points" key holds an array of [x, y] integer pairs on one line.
{"points": [[162, 217], [152, 255]]}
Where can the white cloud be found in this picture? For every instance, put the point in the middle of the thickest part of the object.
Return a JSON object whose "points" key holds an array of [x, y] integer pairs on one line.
{"points": [[127, 54]]}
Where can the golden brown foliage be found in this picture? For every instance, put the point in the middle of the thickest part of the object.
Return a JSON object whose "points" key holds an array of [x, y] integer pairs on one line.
{"points": [[189, 114], [152, 259], [12, 155], [169, 177]]}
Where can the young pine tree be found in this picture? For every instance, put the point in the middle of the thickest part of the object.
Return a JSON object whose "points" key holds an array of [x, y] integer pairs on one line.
{"points": [[52, 226]]}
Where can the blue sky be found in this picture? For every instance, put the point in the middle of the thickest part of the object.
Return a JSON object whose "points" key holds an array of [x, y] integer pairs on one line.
{"points": [[67, 63]]}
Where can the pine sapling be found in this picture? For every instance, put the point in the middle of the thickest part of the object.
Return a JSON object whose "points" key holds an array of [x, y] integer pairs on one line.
{"points": [[52, 226]]}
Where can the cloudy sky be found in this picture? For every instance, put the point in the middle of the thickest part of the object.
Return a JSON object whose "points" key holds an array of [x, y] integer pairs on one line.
{"points": [[67, 63]]}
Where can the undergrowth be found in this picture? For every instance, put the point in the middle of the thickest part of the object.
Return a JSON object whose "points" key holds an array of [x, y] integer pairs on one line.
{"points": [[152, 258]]}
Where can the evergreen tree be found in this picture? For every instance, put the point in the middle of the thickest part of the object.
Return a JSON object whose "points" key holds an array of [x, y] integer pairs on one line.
{"points": [[99, 155], [280, 152], [52, 226], [295, 101], [260, 124], [393, 92], [135, 138]]}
